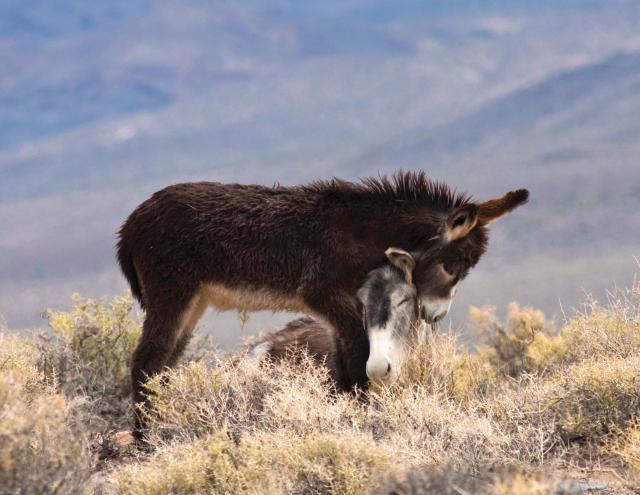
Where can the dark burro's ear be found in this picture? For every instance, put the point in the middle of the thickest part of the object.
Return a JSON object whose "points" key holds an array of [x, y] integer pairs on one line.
{"points": [[494, 208], [460, 222], [403, 260]]}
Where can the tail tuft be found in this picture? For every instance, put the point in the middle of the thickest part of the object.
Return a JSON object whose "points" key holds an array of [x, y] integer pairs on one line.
{"points": [[125, 260]]}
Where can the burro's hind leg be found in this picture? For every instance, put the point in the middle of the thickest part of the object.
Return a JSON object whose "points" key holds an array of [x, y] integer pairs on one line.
{"points": [[188, 321], [163, 339], [155, 347]]}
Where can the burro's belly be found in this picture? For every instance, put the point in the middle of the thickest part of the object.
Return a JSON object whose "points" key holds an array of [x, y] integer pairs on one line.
{"points": [[226, 298]]}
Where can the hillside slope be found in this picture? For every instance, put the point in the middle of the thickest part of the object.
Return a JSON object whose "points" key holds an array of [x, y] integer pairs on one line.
{"points": [[536, 410]]}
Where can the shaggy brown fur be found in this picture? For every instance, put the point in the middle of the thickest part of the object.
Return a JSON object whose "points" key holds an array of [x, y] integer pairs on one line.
{"points": [[304, 248], [305, 335]]}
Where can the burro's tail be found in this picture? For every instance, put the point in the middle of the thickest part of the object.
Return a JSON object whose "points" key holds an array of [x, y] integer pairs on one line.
{"points": [[125, 260]]}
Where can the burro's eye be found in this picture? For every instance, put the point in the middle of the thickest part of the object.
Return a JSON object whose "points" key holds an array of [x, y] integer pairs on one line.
{"points": [[404, 301]]}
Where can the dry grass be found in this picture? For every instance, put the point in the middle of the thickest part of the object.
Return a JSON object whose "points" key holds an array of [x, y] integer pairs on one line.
{"points": [[262, 463], [43, 441], [89, 349], [529, 402]]}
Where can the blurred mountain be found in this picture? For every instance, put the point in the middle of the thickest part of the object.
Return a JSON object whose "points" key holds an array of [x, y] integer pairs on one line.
{"points": [[103, 103], [574, 140]]}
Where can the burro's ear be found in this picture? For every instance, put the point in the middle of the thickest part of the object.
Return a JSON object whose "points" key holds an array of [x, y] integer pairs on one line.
{"points": [[494, 208], [403, 260], [460, 222]]}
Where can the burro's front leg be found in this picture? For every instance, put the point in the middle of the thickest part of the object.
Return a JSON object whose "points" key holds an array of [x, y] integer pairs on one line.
{"points": [[342, 313]]}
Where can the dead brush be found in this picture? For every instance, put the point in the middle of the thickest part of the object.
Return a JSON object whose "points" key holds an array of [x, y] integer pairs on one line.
{"points": [[242, 396], [523, 343], [626, 447], [448, 481], [611, 330], [89, 349], [439, 365], [44, 446], [595, 398], [225, 424], [264, 463]]}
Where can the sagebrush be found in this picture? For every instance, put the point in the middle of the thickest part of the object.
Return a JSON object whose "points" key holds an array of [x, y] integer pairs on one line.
{"points": [[510, 416]]}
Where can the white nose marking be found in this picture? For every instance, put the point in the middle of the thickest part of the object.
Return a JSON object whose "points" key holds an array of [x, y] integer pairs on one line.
{"points": [[379, 364], [378, 369]]}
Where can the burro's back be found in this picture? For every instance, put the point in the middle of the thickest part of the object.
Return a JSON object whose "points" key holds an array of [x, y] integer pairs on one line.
{"points": [[302, 248], [238, 235]]}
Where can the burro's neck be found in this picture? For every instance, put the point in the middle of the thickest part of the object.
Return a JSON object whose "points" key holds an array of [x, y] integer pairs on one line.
{"points": [[390, 224]]}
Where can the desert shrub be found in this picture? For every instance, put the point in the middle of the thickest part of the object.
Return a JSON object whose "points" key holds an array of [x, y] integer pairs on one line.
{"points": [[90, 353], [262, 463], [447, 481], [581, 408], [434, 413], [275, 427], [441, 366], [595, 397], [606, 331], [529, 401], [432, 430], [240, 396], [303, 402], [19, 358], [336, 464], [421, 480], [524, 343], [626, 446], [194, 401], [474, 378], [43, 446], [431, 364], [209, 465]]}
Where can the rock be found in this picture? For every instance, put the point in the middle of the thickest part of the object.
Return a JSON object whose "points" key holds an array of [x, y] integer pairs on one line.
{"points": [[573, 487]]}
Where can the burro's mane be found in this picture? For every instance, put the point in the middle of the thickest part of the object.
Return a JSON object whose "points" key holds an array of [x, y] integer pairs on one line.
{"points": [[402, 186]]}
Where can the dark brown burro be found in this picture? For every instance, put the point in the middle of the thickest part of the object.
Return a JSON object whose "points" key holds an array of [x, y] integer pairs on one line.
{"points": [[304, 248]]}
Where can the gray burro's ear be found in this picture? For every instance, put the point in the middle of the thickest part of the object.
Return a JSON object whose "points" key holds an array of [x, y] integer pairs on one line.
{"points": [[403, 260], [460, 222], [494, 208]]}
